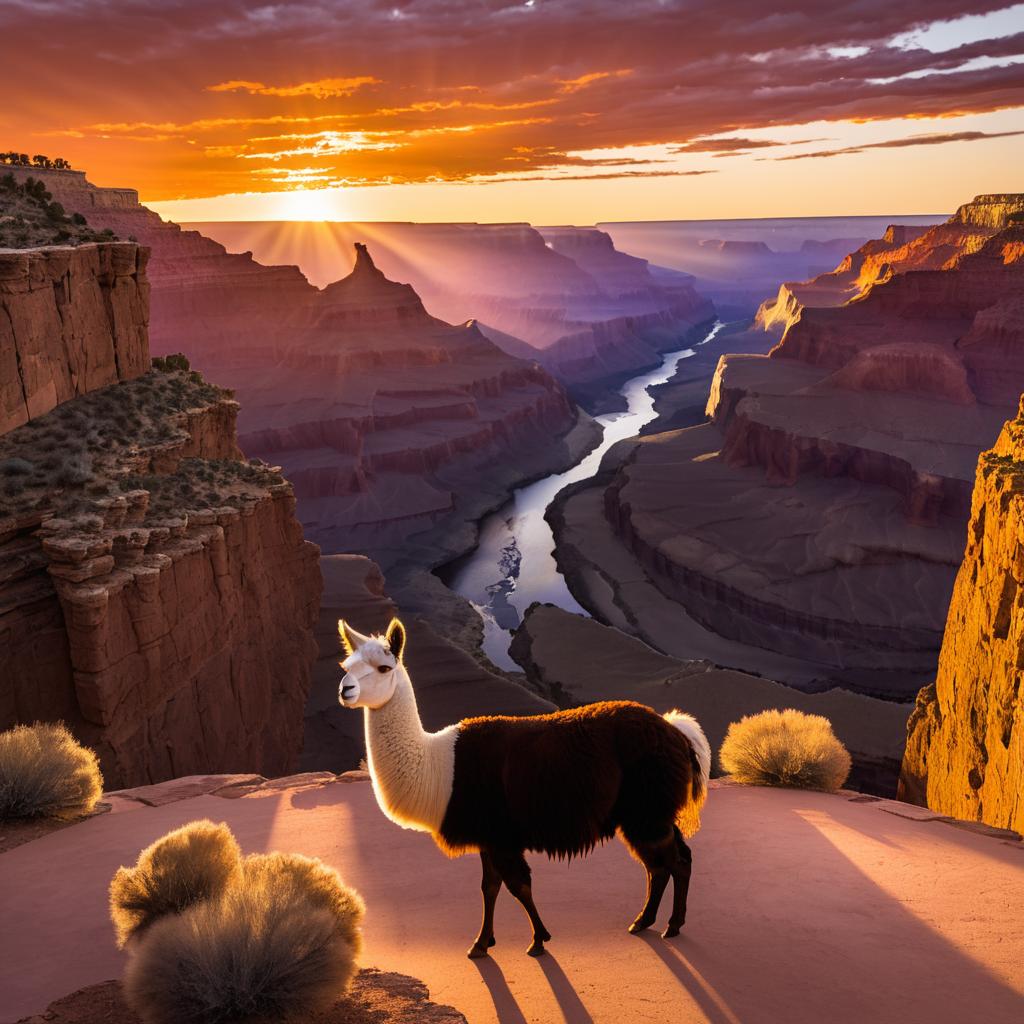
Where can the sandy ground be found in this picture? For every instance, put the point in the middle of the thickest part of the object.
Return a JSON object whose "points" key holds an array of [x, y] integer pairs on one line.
{"points": [[803, 908]]}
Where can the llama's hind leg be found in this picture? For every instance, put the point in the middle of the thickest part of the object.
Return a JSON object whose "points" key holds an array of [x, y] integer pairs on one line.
{"points": [[681, 885], [490, 885], [658, 858], [515, 873]]}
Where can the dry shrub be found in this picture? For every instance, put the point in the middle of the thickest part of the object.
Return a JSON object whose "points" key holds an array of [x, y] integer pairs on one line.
{"points": [[785, 748], [277, 942], [193, 863], [46, 773]]}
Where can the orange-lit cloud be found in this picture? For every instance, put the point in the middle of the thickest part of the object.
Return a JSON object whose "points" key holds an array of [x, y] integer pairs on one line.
{"points": [[322, 89], [186, 99]]}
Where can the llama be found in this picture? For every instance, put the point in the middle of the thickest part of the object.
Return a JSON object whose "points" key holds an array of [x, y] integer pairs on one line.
{"points": [[557, 784]]}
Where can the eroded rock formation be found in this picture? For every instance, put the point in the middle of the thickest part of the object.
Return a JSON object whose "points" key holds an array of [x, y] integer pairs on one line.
{"points": [[965, 744], [71, 320], [820, 516], [565, 297], [389, 422], [156, 592]]}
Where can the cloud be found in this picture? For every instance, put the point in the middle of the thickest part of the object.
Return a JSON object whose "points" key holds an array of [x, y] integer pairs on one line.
{"points": [[938, 139], [322, 89], [436, 96]]}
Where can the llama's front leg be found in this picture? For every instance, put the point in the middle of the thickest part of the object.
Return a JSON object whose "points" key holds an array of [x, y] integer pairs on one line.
{"points": [[681, 885], [515, 873], [490, 884]]}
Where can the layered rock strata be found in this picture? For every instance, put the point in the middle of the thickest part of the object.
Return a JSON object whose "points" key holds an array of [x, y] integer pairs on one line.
{"points": [[564, 297], [156, 592], [816, 525], [900, 249], [389, 421], [965, 743]]}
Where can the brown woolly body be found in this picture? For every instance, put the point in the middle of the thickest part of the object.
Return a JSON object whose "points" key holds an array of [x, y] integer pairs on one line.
{"points": [[562, 783]]}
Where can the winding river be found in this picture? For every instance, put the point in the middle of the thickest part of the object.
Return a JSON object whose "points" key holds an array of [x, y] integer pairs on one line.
{"points": [[513, 565]]}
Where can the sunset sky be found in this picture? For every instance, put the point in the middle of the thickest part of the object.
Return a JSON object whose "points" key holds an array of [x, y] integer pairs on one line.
{"points": [[543, 110]]}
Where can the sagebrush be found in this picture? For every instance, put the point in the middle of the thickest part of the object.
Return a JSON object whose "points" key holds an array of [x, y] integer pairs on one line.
{"points": [[193, 863], [272, 937], [46, 772], [785, 748]]}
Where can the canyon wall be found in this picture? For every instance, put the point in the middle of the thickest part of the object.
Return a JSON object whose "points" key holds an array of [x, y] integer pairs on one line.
{"points": [[390, 422], [71, 320], [156, 592], [565, 297], [965, 743], [813, 529]]}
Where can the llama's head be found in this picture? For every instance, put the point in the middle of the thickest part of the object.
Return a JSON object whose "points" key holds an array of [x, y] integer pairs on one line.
{"points": [[372, 666]]}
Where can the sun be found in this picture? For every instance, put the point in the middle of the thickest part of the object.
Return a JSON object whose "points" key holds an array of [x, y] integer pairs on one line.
{"points": [[310, 204]]}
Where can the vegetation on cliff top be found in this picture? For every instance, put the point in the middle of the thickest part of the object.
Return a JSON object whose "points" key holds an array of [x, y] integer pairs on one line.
{"points": [[29, 217], [109, 441]]}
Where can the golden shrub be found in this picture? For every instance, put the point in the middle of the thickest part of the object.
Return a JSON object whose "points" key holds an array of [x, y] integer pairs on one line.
{"points": [[45, 772], [785, 748], [276, 938]]}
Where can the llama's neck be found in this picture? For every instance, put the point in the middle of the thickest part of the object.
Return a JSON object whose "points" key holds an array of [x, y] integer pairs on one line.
{"points": [[412, 770]]}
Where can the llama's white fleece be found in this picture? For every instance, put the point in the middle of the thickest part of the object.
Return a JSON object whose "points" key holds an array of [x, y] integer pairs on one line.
{"points": [[690, 728]]}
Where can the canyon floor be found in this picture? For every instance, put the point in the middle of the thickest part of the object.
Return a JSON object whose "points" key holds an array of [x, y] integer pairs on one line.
{"points": [[804, 907]]}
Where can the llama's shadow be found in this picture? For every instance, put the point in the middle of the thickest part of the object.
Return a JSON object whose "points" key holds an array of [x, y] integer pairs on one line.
{"points": [[507, 1009], [569, 1002], [712, 1005], [505, 1006]]}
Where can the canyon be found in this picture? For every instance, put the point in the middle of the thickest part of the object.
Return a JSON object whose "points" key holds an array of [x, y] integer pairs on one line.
{"points": [[397, 429], [564, 297], [811, 531]]}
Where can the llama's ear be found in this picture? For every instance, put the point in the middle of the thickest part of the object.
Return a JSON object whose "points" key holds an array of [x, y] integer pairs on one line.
{"points": [[395, 637], [350, 639]]}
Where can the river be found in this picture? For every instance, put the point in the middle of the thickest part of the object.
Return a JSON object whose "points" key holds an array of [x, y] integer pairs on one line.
{"points": [[513, 565]]}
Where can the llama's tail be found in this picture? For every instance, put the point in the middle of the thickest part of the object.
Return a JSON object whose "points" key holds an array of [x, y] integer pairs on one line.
{"points": [[688, 818]]}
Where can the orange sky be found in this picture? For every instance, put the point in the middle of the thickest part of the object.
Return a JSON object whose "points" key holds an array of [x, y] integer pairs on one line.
{"points": [[546, 110]]}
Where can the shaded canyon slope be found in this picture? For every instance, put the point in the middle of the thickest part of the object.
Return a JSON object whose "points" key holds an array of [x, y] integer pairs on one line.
{"points": [[577, 660], [390, 422], [812, 531], [589, 314], [965, 748], [156, 592]]}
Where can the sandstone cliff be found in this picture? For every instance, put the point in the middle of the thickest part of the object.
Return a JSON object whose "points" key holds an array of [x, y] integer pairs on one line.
{"points": [[965, 744], [71, 320], [390, 422], [156, 592]]}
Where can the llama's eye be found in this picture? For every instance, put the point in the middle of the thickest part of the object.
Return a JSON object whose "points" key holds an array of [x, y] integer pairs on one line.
{"points": [[383, 668]]}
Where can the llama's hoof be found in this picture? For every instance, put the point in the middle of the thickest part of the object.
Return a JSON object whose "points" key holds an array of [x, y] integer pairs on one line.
{"points": [[536, 949], [670, 932], [639, 925], [478, 952]]}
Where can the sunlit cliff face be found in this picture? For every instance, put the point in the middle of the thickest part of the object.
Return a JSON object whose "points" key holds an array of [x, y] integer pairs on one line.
{"points": [[564, 108]]}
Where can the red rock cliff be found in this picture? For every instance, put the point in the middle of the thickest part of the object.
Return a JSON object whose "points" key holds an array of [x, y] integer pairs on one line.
{"points": [[71, 320], [156, 592], [965, 743]]}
